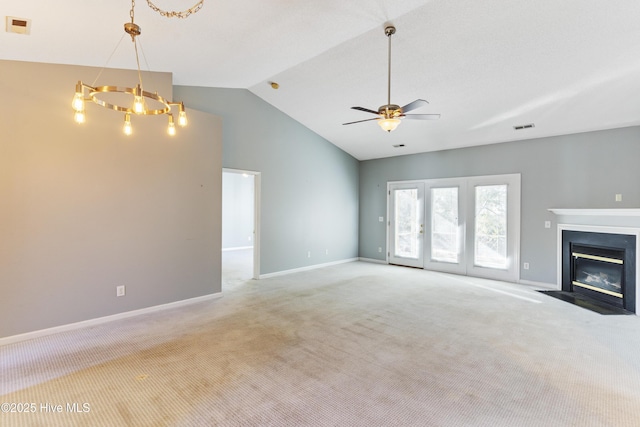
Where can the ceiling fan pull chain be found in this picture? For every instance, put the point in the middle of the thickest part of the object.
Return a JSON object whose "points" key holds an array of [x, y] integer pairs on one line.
{"points": [[183, 14]]}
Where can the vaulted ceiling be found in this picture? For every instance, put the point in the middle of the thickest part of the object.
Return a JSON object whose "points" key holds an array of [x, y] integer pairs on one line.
{"points": [[486, 66]]}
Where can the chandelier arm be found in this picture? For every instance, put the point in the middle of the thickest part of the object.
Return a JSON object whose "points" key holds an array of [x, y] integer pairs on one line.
{"points": [[173, 14]]}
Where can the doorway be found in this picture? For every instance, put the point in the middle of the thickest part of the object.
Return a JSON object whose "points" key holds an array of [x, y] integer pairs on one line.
{"points": [[240, 226], [468, 226]]}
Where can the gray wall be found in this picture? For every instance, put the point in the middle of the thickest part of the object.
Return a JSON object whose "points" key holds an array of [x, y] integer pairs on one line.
{"points": [[309, 191], [85, 208], [573, 171], [237, 210]]}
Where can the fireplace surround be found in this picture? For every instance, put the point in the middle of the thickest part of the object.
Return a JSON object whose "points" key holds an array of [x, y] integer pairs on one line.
{"points": [[598, 254]]}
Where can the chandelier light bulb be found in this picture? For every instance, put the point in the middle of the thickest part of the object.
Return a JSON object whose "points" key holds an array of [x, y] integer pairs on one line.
{"points": [[128, 130], [138, 105], [79, 117], [171, 129], [182, 118], [78, 99], [138, 101], [78, 102]]}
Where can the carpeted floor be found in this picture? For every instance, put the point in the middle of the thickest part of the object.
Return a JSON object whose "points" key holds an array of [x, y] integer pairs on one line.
{"points": [[355, 344], [237, 267]]}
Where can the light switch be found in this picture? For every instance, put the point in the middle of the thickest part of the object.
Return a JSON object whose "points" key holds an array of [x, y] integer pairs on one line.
{"points": [[547, 224], [381, 219]]}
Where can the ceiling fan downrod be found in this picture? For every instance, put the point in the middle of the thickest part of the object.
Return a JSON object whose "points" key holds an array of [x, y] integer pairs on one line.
{"points": [[389, 31]]}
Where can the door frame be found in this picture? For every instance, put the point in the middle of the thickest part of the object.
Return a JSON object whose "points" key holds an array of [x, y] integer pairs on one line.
{"points": [[419, 263], [257, 177], [461, 184], [513, 181]]}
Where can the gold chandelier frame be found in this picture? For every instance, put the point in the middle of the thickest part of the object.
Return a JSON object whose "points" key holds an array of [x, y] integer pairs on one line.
{"points": [[85, 92], [94, 93]]}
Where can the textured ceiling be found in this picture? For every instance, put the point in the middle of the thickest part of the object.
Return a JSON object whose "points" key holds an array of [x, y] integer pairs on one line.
{"points": [[568, 66]]}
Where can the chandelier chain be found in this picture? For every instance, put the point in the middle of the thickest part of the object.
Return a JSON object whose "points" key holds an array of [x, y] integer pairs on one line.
{"points": [[172, 14]]}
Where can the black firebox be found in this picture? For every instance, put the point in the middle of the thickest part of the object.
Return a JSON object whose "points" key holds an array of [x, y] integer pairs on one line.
{"points": [[600, 266]]}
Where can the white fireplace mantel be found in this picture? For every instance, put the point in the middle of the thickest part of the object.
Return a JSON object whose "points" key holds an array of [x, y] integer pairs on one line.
{"points": [[626, 217], [596, 212]]}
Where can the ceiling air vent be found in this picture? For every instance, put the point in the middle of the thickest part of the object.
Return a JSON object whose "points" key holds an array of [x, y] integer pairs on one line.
{"points": [[520, 127], [18, 25], [398, 145]]}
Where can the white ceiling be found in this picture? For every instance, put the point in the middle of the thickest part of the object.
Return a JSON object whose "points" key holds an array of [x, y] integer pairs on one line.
{"points": [[566, 65]]}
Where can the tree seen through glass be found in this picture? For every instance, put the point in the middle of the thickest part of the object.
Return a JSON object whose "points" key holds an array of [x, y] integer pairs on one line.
{"points": [[406, 223], [491, 226]]}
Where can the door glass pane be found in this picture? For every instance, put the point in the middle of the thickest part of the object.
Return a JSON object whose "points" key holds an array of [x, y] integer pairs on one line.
{"points": [[445, 238], [406, 223], [491, 226]]}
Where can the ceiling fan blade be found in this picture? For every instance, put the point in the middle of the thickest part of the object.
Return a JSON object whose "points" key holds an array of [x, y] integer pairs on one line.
{"points": [[421, 116], [366, 110], [415, 104], [360, 121]]}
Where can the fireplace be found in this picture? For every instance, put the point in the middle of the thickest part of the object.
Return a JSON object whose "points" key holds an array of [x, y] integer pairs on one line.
{"points": [[600, 266]]}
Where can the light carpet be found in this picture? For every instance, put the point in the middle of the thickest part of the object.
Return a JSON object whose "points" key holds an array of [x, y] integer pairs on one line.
{"points": [[355, 344]]}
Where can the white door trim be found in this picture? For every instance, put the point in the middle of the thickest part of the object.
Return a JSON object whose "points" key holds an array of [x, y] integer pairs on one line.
{"points": [[429, 263], [257, 182], [391, 258], [512, 272], [513, 181]]}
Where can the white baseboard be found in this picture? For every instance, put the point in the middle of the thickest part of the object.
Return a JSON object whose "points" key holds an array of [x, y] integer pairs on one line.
{"points": [[375, 261], [106, 319], [238, 248], [549, 286], [310, 267]]}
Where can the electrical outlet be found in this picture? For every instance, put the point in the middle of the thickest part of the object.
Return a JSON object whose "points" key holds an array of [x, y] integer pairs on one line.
{"points": [[309, 254], [326, 251], [379, 250], [381, 219], [120, 291], [618, 197], [526, 266]]}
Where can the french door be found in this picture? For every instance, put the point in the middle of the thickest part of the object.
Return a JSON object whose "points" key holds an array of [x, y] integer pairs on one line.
{"points": [[445, 242], [406, 220], [463, 226]]}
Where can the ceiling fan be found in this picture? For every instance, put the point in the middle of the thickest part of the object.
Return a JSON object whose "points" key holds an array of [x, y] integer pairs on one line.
{"points": [[389, 115]]}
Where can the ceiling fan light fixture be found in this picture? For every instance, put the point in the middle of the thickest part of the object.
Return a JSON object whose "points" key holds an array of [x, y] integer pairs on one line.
{"points": [[390, 115], [389, 124]]}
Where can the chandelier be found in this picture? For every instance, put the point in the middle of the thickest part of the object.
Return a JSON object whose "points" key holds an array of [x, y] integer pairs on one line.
{"points": [[143, 103]]}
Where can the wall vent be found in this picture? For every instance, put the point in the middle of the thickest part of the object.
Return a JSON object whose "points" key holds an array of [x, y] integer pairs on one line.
{"points": [[520, 127], [18, 25]]}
